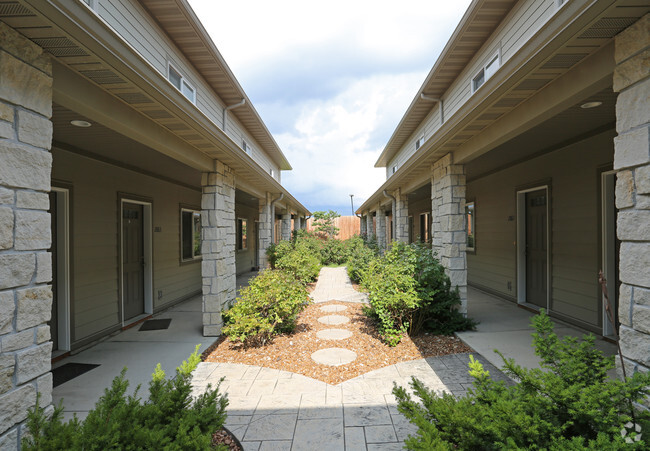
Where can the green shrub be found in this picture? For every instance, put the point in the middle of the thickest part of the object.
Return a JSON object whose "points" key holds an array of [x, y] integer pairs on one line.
{"points": [[568, 404], [276, 251], [392, 291], [268, 306], [301, 262], [359, 261], [408, 290], [168, 420], [438, 306]]}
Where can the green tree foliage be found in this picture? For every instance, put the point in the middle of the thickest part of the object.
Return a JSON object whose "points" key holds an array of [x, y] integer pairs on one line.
{"points": [[169, 420], [324, 223], [268, 306], [568, 404], [408, 290]]}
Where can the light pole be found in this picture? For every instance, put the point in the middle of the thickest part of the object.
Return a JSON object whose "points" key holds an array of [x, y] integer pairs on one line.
{"points": [[352, 203]]}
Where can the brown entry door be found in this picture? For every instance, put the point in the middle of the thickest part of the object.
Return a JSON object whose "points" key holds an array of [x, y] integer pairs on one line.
{"points": [[54, 320], [132, 260], [536, 248]]}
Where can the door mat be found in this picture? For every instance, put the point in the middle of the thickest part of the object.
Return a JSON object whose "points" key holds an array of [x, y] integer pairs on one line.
{"points": [[69, 371], [155, 324]]}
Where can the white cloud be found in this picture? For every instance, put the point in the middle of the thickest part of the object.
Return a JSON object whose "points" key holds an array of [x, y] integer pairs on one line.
{"points": [[331, 80]]}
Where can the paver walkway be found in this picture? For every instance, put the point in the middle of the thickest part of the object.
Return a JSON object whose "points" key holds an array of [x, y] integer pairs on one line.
{"points": [[334, 284], [270, 409]]}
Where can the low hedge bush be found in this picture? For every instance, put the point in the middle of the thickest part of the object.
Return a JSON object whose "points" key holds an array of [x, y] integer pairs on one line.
{"points": [[269, 305], [408, 291], [569, 404], [169, 419]]}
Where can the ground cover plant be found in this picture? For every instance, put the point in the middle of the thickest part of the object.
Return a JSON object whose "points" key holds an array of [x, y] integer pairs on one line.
{"points": [[569, 404], [268, 306], [169, 419], [409, 292]]}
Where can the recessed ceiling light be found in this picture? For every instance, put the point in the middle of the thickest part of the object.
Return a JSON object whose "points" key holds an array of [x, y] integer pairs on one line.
{"points": [[80, 123], [588, 105]]}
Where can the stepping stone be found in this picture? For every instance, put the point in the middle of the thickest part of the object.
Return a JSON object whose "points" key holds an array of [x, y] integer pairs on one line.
{"points": [[333, 334], [333, 320], [333, 308], [333, 356]]}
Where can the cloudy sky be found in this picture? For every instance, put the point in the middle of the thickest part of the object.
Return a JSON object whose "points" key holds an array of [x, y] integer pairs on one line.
{"points": [[331, 80]]}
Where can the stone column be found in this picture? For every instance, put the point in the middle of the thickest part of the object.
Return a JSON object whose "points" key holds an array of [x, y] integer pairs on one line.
{"points": [[370, 224], [363, 225], [401, 218], [448, 229], [296, 222], [25, 232], [286, 226], [218, 238], [380, 223], [632, 161], [264, 230]]}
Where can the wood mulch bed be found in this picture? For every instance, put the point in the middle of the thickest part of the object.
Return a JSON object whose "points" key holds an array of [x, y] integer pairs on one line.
{"points": [[293, 352]]}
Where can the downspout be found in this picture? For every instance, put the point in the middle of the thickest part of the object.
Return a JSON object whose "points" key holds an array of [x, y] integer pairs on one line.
{"points": [[440, 105], [394, 207], [273, 216], [228, 108]]}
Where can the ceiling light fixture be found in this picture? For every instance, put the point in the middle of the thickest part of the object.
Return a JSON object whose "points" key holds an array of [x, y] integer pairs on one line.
{"points": [[80, 123], [588, 105]]}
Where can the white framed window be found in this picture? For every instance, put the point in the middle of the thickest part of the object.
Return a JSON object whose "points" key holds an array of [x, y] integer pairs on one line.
{"points": [[561, 3], [242, 234], [394, 169], [246, 148], [486, 72], [89, 3], [181, 83], [419, 142], [190, 234], [272, 172]]}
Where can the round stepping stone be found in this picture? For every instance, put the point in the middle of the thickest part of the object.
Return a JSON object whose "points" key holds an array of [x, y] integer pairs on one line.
{"points": [[333, 356], [333, 320], [333, 334], [333, 308]]}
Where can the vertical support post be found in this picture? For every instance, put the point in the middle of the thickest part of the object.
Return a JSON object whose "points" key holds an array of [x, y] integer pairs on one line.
{"points": [[218, 238], [264, 228], [632, 161], [448, 229], [286, 226], [380, 223], [25, 232], [401, 219]]}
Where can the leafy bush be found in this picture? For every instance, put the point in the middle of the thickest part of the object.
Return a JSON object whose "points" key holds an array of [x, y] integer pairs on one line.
{"points": [[324, 223], [568, 404], [359, 261], [408, 290], [301, 262], [392, 292], [169, 419], [268, 306], [276, 251]]}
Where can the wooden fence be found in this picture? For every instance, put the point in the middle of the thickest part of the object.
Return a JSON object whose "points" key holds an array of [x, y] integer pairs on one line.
{"points": [[348, 226]]}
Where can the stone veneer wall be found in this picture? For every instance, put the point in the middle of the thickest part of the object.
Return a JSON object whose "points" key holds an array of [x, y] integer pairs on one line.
{"points": [[218, 238], [632, 161], [448, 228], [380, 225], [264, 228], [286, 227], [401, 219], [25, 232]]}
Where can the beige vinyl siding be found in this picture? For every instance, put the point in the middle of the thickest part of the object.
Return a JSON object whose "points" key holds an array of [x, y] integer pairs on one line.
{"points": [[95, 239], [245, 259], [575, 239], [525, 19], [132, 22]]}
